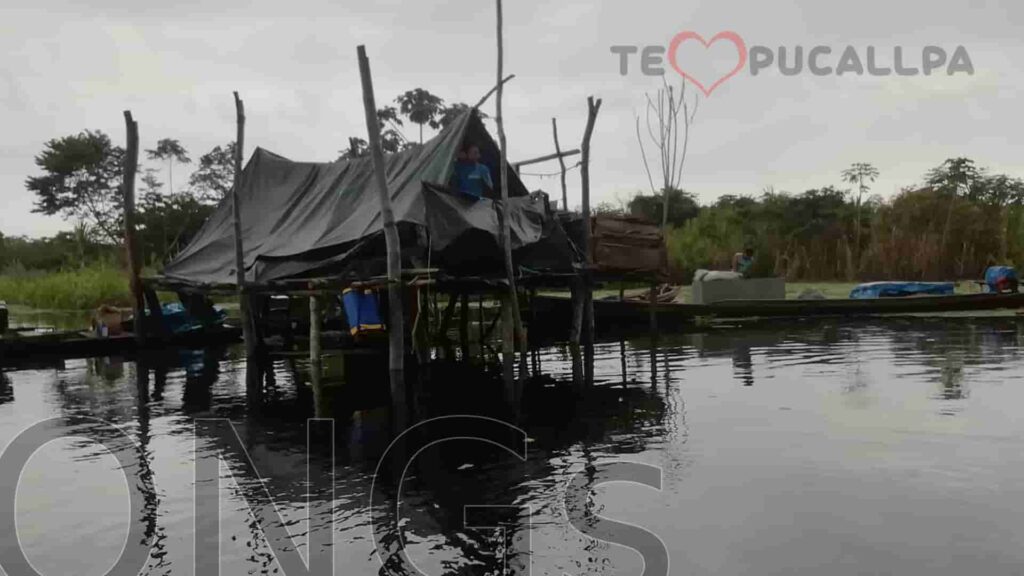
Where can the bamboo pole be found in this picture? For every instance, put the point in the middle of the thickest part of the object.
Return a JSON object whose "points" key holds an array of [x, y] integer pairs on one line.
{"points": [[561, 162], [244, 308], [131, 163], [506, 235], [396, 324], [593, 107]]}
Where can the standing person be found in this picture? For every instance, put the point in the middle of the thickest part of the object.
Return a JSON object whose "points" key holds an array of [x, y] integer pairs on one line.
{"points": [[471, 176], [742, 261]]}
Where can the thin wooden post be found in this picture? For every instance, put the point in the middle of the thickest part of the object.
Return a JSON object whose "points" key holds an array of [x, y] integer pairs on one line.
{"points": [[506, 235], [315, 343], [593, 107], [481, 336], [464, 325], [131, 163], [561, 162], [508, 347], [396, 324], [244, 309], [574, 331], [653, 299]]}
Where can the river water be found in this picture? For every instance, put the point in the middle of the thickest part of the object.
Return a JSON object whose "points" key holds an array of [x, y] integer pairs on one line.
{"points": [[890, 446]]}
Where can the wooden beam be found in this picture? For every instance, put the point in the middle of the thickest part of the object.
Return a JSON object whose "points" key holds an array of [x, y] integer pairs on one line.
{"points": [[556, 156], [131, 163], [244, 309], [493, 90], [396, 321], [561, 162]]}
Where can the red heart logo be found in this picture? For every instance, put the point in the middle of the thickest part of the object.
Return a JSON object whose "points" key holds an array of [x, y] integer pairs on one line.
{"points": [[728, 36]]}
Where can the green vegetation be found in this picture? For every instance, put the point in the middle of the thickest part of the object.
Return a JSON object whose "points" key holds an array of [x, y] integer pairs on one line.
{"points": [[73, 289]]}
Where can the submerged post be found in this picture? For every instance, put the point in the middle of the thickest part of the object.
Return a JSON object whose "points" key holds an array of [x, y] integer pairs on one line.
{"points": [[131, 163], [396, 325], [561, 162], [244, 309]]}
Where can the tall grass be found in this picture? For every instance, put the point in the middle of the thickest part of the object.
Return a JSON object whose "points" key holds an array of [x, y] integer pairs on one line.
{"points": [[811, 237], [70, 289]]}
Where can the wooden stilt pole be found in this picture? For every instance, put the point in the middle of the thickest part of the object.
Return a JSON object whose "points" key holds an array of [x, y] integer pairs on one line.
{"points": [[561, 162], [244, 309], [506, 236], [131, 163], [396, 328], [593, 107], [622, 341]]}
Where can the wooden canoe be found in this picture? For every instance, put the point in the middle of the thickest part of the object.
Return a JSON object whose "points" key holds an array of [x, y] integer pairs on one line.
{"points": [[558, 310], [16, 348]]}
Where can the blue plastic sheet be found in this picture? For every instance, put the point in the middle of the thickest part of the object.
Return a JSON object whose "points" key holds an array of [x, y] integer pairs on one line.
{"points": [[900, 289]]}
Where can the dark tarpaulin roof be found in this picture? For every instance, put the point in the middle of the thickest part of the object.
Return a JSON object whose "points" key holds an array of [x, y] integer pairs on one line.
{"points": [[298, 217]]}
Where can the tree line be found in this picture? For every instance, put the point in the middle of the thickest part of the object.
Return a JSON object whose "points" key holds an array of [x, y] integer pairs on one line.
{"points": [[957, 220]]}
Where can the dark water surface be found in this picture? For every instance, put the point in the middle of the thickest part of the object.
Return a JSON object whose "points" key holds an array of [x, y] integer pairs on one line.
{"points": [[885, 447]]}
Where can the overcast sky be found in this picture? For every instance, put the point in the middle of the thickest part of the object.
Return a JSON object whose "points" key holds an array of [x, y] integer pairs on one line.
{"points": [[67, 66]]}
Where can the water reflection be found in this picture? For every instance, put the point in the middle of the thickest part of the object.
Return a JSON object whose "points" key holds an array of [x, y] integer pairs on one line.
{"points": [[740, 420]]}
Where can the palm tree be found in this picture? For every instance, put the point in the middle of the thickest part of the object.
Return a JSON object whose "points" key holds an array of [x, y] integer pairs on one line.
{"points": [[170, 150], [955, 176], [421, 107], [857, 173]]}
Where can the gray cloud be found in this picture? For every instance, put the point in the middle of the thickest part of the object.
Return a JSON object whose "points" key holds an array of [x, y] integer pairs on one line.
{"points": [[65, 67]]}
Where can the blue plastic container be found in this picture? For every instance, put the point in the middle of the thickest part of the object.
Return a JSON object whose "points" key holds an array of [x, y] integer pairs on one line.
{"points": [[362, 311]]}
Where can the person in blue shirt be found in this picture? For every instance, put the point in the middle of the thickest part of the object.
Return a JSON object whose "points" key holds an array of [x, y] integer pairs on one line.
{"points": [[743, 261], [471, 177]]}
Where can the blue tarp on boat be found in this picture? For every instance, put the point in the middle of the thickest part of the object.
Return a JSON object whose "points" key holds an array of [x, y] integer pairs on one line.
{"points": [[900, 289], [1001, 278], [177, 320]]}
